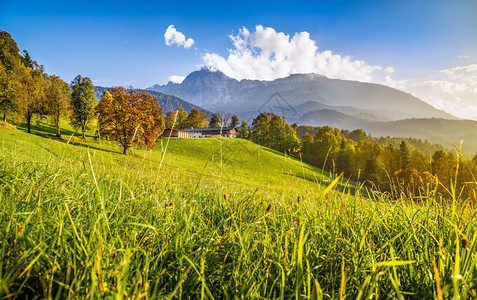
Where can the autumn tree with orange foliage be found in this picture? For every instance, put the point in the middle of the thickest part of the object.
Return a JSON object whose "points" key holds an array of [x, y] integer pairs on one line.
{"points": [[130, 117]]}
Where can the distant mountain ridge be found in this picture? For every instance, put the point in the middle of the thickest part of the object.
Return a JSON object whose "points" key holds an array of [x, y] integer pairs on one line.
{"points": [[215, 90], [166, 102]]}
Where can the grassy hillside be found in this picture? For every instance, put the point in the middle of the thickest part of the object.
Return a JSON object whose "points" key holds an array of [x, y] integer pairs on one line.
{"points": [[214, 218], [230, 161]]}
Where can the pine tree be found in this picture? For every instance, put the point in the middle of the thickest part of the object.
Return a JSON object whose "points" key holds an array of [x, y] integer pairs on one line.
{"points": [[405, 155]]}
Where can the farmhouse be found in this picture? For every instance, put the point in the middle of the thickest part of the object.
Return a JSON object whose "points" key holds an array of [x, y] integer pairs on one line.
{"points": [[229, 132]]}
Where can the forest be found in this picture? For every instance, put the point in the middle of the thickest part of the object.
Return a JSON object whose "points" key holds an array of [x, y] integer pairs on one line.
{"points": [[400, 167]]}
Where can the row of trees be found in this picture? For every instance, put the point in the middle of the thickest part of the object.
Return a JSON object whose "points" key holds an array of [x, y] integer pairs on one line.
{"points": [[180, 119], [397, 169], [127, 116], [26, 90]]}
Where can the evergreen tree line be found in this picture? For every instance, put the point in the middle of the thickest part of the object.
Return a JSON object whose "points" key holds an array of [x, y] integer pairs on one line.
{"points": [[383, 164]]}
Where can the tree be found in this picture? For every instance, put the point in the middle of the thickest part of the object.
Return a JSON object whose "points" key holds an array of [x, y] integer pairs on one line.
{"points": [[12, 75], [405, 155], [58, 96], [33, 102], [224, 118], [182, 118], [357, 135], [197, 119], [419, 161], [272, 131], [244, 130], [214, 120], [130, 117], [83, 102], [234, 121], [444, 166], [327, 145], [171, 119]]}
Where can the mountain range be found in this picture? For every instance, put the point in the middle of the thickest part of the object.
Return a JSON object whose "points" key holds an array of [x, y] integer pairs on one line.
{"points": [[315, 100], [298, 95]]}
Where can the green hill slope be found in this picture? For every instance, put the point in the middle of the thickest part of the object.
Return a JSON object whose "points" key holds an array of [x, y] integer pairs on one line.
{"points": [[210, 160]]}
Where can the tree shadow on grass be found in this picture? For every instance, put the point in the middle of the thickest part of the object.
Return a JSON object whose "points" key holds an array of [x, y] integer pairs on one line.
{"points": [[50, 133]]}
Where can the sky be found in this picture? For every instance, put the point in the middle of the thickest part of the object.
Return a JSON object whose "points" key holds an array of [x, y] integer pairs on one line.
{"points": [[427, 48]]}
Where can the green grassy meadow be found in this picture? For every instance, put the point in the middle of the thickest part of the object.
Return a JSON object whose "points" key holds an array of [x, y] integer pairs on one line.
{"points": [[215, 218]]}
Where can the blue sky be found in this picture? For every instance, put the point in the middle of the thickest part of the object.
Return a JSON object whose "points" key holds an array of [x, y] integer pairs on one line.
{"points": [[122, 42]]}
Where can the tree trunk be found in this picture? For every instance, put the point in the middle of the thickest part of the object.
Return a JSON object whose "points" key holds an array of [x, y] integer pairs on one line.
{"points": [[124, 150], [28, 119], [58, 130], [83, 129], [4, 117]]}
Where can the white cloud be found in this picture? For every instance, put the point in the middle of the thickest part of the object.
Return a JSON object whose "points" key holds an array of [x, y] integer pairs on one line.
{"points": [[462, 72], [176, 78], [267, 54], [455, 91], [174, 37], [463, 56]]}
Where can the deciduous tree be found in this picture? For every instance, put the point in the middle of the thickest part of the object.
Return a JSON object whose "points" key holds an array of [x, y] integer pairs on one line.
{"points": [[12, 72], [83, 102], [244, 130], [171, 119], [197, 119], [234, 121], [224, 118], [33, 101], [181, 118], [214, 120], [58, 99], [130, 117]]}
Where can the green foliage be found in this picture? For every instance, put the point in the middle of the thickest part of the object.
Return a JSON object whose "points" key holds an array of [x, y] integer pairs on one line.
{"points": [[234, 121], [214, 120], [83, 102], [58, 100], [273, 132], [405, 155], [197, 119], [12, 73], [181, 118], [244, 130]]}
